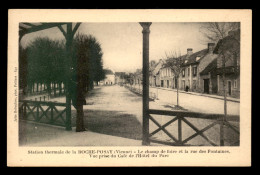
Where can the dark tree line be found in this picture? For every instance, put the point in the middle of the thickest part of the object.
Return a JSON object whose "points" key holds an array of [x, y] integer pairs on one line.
{"points": [[43, 63]]}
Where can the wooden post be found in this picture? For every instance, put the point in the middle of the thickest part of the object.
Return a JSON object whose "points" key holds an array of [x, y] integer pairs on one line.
{"points": [[51, 113], [179, 131], [37, 112], [221, 133], [24, 111], [69, 38], [146, 32]]}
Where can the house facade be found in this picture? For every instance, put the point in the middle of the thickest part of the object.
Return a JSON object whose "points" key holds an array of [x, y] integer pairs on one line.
{"points": [[109, 78], [154, 76], [167, 78], [228, 62]]}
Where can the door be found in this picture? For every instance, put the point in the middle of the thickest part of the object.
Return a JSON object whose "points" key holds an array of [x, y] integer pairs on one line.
{"points": [[229, 87], [161, 83], [206, 86], [167, 83]]}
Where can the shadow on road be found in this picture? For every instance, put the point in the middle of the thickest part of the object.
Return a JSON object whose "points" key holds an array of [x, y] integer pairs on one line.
{"points": [[113, 123]]}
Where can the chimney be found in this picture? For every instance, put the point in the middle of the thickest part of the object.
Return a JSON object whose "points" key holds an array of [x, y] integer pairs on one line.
{"points": [[211, 47], [189, 51]]}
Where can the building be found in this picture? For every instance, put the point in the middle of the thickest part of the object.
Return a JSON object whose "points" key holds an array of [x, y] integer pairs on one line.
{"points": [[154, 73], [109, 78], [228, 62], [120, 78], [138, 77], [167, 78]]}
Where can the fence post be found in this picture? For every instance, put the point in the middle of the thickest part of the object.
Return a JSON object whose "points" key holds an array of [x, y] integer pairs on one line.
{"points": [[179, 131], [51, 113], [24, 110], [37, 113], [222, 133]]}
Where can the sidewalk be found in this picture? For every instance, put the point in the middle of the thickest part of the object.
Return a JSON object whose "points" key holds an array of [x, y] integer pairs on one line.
{"points": [[200, 94], [38, 134]]}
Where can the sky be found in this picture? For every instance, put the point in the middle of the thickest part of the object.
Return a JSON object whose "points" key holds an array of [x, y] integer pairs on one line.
{"points": [[121, 43]]}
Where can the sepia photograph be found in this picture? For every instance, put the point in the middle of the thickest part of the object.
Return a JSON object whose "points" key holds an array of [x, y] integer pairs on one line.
{"points": [[111, 84]]}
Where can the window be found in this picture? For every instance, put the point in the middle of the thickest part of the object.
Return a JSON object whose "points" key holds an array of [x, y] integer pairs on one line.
{"points": [[183, 73], [194, 71], [188, 71], [235, 84]]}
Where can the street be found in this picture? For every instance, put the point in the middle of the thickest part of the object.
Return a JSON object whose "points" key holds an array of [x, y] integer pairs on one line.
{"points": [[116, 111], [196, 103]]}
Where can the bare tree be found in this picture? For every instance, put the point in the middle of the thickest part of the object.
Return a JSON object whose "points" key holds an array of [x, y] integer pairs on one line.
{"points": [[174, 61], [214, 31], [219, 32]]}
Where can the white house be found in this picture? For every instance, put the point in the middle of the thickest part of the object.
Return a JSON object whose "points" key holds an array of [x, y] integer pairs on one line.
{"points": [[110, 78]]}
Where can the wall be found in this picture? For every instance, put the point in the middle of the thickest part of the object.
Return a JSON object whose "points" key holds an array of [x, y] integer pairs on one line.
{"points": [[109, 80], [235, 92]]}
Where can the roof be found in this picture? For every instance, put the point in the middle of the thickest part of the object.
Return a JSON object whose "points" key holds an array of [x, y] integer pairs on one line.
{"points": [[230, 42], [211, 66], [108, 72], [192, 58], [152, 68], [119, 73]]}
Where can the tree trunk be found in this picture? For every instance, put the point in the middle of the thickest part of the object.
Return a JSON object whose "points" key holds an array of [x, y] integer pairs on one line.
{"points": [[80, 119], [225, 93], [54, 88], [37, 87], [177, 93], [33, 85], [49, 88], [59, 88]]}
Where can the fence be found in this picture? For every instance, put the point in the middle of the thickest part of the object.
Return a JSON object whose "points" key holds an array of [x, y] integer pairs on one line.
{"points": [[45, 112], [225, 128], [139, 91]]}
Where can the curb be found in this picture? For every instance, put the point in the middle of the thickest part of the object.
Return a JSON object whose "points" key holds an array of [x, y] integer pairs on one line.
{"points": [[236, 101]]}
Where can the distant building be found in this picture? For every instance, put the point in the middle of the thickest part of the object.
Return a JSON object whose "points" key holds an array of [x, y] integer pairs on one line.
{"points": [[120, 78], [166, 77], [138, 77], [110, 78], [154, 72]]}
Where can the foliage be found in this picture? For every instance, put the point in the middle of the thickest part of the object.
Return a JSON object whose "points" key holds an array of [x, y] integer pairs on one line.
{"points": [[46, 61], [88, 53]]}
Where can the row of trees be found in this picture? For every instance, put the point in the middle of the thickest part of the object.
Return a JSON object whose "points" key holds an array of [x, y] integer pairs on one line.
{"points": [[43, 62]]}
